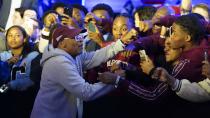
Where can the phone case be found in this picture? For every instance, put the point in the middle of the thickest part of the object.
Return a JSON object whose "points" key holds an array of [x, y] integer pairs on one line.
{"points": [[91, 27]]}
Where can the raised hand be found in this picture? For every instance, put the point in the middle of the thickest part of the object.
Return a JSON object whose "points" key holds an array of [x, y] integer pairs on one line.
{"points": [[96, 36], [145, 25], [91, 17], [50, 20], [147, 65], [129, 36], [69, 21]]}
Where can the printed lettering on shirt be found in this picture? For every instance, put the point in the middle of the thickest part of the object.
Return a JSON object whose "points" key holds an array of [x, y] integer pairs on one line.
{"points": [[128, 53], [112, 62]]}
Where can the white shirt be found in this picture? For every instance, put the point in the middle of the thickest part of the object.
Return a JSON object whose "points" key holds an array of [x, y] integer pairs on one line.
{"points": [[14, 4]]}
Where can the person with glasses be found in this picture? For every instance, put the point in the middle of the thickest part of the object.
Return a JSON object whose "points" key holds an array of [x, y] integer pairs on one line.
{"points": [[62, 86]]}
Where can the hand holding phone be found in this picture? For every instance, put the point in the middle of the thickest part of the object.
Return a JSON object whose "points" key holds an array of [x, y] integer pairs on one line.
{"points": [[142, 55], [91, 27]]}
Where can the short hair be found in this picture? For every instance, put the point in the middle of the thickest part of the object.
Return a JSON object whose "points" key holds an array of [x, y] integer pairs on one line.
{"points": [[126, 16], [80, 7], [192, 24], [58, 4], [145, 12], [105, 7]]}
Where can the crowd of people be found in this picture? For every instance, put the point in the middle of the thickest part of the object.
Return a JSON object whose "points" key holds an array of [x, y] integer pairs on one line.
{"points": [[75, 63]]}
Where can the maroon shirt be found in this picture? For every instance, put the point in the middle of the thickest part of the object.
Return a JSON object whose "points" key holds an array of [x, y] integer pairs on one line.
{"points": [[190, 64]]}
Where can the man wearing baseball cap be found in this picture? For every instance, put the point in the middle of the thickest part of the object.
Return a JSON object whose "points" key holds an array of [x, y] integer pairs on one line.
{"points": [[62, 87]]}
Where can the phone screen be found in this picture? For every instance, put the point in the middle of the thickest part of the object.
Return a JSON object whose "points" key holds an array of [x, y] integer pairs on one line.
{"points": [[91, 27], [142, 55]]}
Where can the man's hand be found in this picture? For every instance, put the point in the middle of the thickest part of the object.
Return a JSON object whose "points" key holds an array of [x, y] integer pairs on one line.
{"points": [[147, 65], [50, 20], [96, 37], [162, 75], [108, 77], [117, 69], [145, 25], [91, 17], [206, 69], [129, 36]]}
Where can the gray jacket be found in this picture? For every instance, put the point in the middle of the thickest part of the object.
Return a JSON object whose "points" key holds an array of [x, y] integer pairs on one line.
{"points": [[62, 82]]}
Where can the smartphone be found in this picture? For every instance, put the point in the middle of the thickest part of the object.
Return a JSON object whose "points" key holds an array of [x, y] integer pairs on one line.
{"points": [[142, 55], [91, 27], [68, 11]]}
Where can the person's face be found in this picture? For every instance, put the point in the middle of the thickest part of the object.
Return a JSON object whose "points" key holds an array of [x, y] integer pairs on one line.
{"points": [[171, 54], [15, 38], [50, 19], [202, 12], [60, 10], [102, 14], [78, 15], [179, 37], [72, 46], [121, 26]]}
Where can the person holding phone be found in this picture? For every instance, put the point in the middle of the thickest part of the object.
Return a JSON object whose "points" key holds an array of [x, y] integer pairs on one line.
{"points": [[191, 91], [68, 88], [102, 17]]}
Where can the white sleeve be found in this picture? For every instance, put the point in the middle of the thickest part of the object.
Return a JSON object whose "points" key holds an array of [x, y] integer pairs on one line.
{"points": [[94, 59], [192, 92]]}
